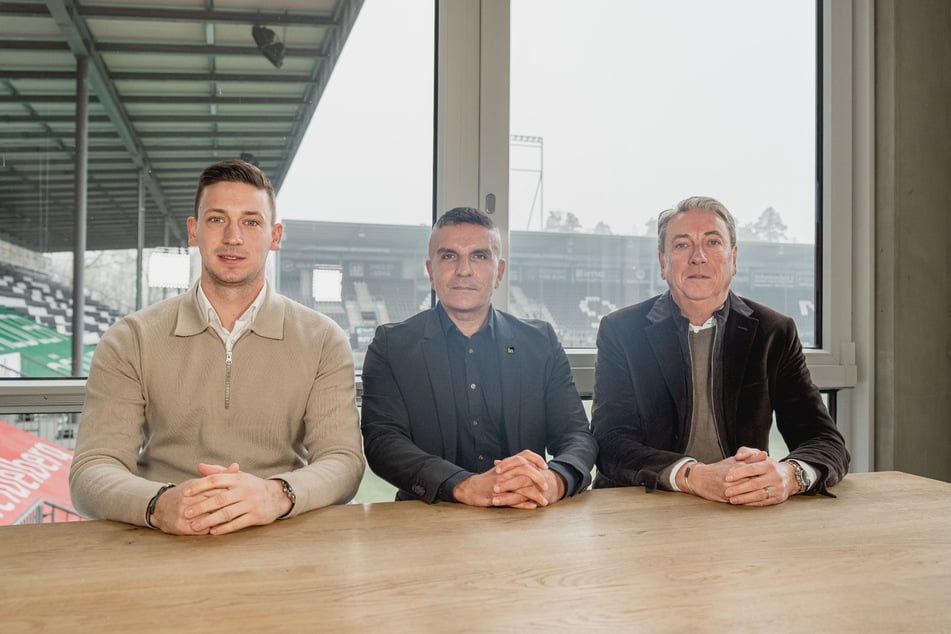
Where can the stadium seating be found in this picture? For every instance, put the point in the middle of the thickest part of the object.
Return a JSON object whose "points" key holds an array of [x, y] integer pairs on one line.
{"points": [[42, 299]]}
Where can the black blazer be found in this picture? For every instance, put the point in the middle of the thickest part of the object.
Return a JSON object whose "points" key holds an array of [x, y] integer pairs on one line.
{"points": [[643, 392], [409, 413]]}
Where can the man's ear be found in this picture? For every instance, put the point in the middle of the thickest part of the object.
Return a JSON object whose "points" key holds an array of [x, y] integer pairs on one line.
{"points": [[276, 232], [192, 224], [663, 265], [498, 278]]}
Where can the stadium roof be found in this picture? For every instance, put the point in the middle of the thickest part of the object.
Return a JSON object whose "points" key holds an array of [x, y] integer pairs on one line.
{"points": [[174, 85]]}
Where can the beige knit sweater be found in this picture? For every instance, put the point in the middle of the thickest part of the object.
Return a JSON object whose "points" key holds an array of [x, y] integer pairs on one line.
{"points": [[159, 401]]}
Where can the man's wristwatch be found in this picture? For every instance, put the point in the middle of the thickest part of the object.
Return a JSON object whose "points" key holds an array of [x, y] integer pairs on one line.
{"points": [[801, 478], [289, 492]]}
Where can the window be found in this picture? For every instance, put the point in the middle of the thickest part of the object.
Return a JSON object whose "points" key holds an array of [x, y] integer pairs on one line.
{"points": [[357, 202], [620, 109]]}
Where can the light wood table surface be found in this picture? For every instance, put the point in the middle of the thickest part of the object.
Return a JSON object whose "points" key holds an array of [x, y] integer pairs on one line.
{"points": [[875, 559]]}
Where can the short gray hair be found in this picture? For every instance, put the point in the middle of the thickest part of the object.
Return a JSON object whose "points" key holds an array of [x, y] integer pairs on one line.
{"points": [[694, 202]]}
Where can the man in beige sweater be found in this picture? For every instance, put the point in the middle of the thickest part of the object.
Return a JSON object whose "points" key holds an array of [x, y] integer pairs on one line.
{"points": [[225, 407]]}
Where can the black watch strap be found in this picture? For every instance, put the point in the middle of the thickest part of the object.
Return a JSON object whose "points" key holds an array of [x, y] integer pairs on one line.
{"points": [[289, 492]]}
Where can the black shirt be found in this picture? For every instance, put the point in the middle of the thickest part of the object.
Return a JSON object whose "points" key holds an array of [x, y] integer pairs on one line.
{"points": [[477, 392]]}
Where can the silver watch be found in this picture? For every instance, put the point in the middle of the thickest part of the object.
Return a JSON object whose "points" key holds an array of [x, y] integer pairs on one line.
{"points": [[801, 478]]}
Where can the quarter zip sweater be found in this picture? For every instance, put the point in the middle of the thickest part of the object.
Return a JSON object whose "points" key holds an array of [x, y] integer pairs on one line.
{"points": [[154, 407]]}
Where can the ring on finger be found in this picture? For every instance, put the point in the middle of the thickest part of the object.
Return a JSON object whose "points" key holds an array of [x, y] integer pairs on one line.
{"points": [[767, 492]]}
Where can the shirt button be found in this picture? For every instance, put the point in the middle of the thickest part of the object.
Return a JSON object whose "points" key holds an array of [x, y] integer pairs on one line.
{"points": [[475, 422], [481, 457], [472, 386], [471, 350]]}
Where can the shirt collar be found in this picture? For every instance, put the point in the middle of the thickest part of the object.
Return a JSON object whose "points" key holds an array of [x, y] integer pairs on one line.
{"points": [[246, 318], [447, 325]]}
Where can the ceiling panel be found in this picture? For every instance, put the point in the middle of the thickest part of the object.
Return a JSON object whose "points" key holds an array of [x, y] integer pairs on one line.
{"points": [[174, 86]]}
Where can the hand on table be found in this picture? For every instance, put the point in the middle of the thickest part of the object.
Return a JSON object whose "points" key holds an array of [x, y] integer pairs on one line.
{"points": [[520, 481], [749, 477], [223, 500]]}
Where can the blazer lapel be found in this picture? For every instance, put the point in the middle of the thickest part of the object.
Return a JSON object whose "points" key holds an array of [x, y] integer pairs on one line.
{"points": [[738, 336], [511, 377], [663, 340], [435, 354]]}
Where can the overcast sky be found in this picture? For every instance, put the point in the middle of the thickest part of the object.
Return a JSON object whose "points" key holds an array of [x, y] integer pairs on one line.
{"points": [[639, 103]]}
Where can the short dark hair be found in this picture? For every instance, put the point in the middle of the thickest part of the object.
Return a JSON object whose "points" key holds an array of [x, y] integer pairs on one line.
{"points": [[695, 202], [235, 172], [469, 216], [464, 216]]}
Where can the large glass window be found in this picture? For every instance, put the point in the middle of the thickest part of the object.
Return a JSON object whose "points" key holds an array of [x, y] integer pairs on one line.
{"points": [[621, 108], [357, 202]]}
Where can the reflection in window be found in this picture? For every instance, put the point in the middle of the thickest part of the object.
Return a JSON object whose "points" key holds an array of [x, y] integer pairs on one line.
{"points": [[622, 109]]}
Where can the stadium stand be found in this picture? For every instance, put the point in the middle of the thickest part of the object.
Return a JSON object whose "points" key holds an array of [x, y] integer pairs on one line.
{"points": [[36, 324], [40, 298], [570, 280]]}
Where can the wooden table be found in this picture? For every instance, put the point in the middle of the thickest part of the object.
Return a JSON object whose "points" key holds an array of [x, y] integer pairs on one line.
{"points": [[877, 558]]}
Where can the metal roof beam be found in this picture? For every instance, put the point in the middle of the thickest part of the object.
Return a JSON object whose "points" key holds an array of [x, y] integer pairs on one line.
{"points": [[156, 14], [220, 16], [80, 41], [281, 78], [310, 52]]}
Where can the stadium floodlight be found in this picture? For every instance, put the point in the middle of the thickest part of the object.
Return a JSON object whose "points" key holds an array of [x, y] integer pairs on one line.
{"points": [[327, 285], [169, 268]]}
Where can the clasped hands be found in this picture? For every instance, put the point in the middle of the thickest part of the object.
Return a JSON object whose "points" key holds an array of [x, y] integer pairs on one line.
{"points": [[749, 478], [223, 500], [522, 481]]}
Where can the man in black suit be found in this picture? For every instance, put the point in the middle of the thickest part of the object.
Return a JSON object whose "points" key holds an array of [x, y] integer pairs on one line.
{"points": [[461, 402], [687, 382]]}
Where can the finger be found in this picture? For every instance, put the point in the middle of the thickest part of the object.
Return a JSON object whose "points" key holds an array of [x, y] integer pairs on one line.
{"points": [[209, 502], [533, 458], [744, 454], [225, 519], [211, 469], [512, 462], [509, 498], [512, 498], [522, 458], [223, 480], [504, 484], [534, 475], [760, 497], [746, 470]]}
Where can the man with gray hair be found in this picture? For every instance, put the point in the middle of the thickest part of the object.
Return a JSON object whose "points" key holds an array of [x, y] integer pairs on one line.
{"points": [[686, 383]]}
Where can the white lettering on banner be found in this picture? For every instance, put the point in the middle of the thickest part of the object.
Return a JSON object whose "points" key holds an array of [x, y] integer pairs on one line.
{"points": [[21, 475]]}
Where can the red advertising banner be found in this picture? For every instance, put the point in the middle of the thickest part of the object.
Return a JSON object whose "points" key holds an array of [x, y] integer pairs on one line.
{"points": [[34, 479]]}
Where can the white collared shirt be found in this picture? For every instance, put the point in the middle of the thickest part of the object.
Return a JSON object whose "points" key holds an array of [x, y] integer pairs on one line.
{"points": [[240, 325]]}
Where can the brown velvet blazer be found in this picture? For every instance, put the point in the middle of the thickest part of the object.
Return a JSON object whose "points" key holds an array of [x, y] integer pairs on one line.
{"points": [[643, 391]]}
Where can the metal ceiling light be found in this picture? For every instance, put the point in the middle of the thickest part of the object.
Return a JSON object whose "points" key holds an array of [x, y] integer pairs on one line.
{"points": [[268, 44]]}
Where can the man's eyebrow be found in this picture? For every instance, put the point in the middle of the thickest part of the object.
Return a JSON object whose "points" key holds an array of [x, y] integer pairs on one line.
{"points": [[218, 210]]}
